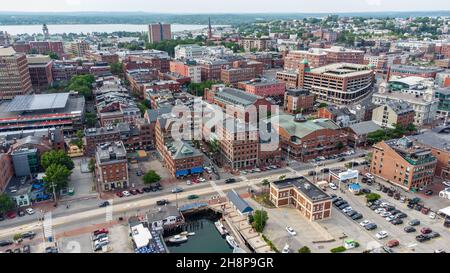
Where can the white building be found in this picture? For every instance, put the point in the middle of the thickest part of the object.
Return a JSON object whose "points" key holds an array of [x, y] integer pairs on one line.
{"points": [[189, 52], [425, 105]]}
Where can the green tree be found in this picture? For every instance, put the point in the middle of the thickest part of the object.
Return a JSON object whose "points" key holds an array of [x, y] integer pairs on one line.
{"points": [[214, 146], [91, 119], [372, 197], [304, 249], [260, 218], [151, 177], [6, 203], [339, 145], [53, 56], [82, 84], [91, 165], [56, 178], [116, 68], [56, 157], [265, 183]]}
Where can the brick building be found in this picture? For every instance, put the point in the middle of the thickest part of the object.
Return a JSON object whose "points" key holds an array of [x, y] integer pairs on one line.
{"points": [[311, 202], [40, 69], [111, 166], [304, 140], [393, 113], [298, 101], [263, 88], [404, 163]]}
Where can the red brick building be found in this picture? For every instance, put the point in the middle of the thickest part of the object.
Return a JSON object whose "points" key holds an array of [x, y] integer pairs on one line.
{"points": [[311, 202], [298, 101], [263, 88], [111, 166]]}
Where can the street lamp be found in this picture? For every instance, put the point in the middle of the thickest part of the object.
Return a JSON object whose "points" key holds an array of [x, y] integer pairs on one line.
{"points": [[288, 150]]}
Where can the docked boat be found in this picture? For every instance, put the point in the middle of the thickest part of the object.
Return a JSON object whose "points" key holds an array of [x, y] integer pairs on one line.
{"points": [[231, 241], [222, 230], [178, 239], [191, 234]]}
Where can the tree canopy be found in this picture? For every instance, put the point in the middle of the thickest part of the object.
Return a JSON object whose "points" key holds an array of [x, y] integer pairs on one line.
{"points": [[6, 203], [151, 177], [56, 157], [56, 175], [82, 84], [259, 220]]}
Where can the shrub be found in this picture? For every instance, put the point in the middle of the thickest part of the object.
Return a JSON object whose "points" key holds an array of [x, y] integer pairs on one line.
{"points": [[304, 249], [338, 249]]}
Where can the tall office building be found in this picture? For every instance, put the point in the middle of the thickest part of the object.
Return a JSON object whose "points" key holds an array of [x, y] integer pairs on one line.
{"points": [[159, 32], [14, 75]]}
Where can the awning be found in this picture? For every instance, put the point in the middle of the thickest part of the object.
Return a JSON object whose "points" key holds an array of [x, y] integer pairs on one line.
{"points": [[196, 170], [182, 172]]}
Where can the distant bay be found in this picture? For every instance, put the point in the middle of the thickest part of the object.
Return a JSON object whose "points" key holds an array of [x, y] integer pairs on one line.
{"points": [[90, 28]]}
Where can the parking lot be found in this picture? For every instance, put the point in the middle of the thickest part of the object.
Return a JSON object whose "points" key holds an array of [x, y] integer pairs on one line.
{"points": [[408, 242]]}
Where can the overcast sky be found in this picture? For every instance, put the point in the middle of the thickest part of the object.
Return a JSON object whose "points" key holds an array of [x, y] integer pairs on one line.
{"points": [[225, 6]]}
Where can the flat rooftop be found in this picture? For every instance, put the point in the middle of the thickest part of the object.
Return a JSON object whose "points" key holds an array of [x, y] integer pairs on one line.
{"points": [[342, 70], [38, 102], [308, 189]]}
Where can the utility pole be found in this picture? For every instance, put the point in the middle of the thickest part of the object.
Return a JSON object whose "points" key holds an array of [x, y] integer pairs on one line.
{"points": [[54, 194]]}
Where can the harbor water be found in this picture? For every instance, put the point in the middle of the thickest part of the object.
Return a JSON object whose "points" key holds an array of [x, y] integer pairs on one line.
{"points": [[206, 239]]}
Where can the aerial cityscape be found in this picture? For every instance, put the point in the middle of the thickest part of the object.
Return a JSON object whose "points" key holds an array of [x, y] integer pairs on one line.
{"points": [[225, 127]]}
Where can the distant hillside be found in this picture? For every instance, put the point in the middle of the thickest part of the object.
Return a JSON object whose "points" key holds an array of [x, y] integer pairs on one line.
{"points": [[22, 18]]}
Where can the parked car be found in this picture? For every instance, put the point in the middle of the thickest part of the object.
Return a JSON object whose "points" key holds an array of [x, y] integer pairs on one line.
{"points": [[393, 243], [100, 231], [381, 234], [343, 206], [162, 202], [325, 170], [426, 230], [312, 173], [364, 223], [409, 229], [397, 222], [291, 231], [28, 234], [414, 222], [332, 186], [100, 236], [434, 234], [230, 180], [351, 213], [11, 215], [104, 204], [370, 176], [6, 243], [133, 192], [422, 238], [401, 215], [357, 216], [119, 194], [26, 249], [429, 192], [177, 190], [192, 197], [342, 159], [126, 193], [147, 189], [371, 226], [30, 211]]}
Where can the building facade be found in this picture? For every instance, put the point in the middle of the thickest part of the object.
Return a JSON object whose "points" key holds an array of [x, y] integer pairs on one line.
{"points": [[310, 201], [401, 162], [14, 74], [159, 32], [111, 167]]}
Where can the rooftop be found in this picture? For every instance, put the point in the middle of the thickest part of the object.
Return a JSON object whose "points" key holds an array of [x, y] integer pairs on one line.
{"points": [[436, 139], [236, 96], [302, 128], [416, 69], [342, 70], [400, 107], [7, 52], [162, 213], [365, 127], [180, 149], [111, 152], [38, 102], [308, 189]]}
